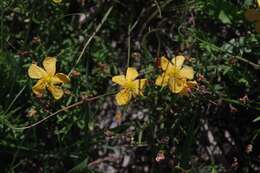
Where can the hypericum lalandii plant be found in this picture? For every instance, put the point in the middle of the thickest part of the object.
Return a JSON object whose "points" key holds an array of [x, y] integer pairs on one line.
{"points": [[48, 78], [176, 76], [130, 86]]}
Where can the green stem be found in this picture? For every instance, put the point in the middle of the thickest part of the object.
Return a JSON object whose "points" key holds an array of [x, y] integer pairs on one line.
{"points": [[91, 37], [13, 101], [84, 100]]}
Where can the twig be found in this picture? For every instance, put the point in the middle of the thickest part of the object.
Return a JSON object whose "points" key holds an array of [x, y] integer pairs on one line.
{"points": [[130, 29], [181, 169], [152, 16], [129, 45], [98, 161], [68, 15], [16, 97], [159, 9], [143, 42], [62, 110], [91, 37]]}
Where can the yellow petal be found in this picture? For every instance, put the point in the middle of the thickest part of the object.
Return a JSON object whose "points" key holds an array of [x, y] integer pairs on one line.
{"points": [[49, 63], [162, 80], [165, 64], [119, 79], [57, 1], [176, 85], [60, 78], [258, 1], [39, 87], [56, 91], [131, 73], [188, 86], [139, 86], [186, 72], [252, 15], [36, 72], [123, 97], [192, 84], [178, 61], [184, 92]]}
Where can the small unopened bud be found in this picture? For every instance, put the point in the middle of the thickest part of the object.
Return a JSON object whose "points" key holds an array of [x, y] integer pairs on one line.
{"points": [[160, 156], [75, 73], [232, 109], [31, 112], [249, 148], [82, 19], [244, 99], [118, 117]]}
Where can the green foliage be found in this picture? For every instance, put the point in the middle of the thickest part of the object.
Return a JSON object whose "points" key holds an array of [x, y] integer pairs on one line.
{"points": [[207, 131]]}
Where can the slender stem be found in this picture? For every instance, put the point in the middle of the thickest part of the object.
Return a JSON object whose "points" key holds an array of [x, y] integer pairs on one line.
{"points": [[130, 29], [68, 15], [159, 8], [91, 37], [152, 16], [16, 97], [62, 110], [181, 169], [129, 45]]}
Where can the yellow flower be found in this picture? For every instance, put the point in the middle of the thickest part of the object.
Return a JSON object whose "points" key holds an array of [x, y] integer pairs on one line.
{"points": [[130, 86], [57, 1], [174, 74], [253, 15], [187, 87], [47, 78]]}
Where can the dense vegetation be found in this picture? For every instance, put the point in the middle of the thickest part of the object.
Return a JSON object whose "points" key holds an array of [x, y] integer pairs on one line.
{"points": [[213, 128]]}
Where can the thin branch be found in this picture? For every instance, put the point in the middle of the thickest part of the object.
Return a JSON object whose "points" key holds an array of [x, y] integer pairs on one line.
{"points": [[129, 45], [159, 8], [91, 37], [98, 161], [16, 97], [153, 15], [84, 100]]}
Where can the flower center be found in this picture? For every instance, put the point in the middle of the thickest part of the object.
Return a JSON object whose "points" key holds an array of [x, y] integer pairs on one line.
{"points": [[48, 79], [174, 72], [129, 85]]}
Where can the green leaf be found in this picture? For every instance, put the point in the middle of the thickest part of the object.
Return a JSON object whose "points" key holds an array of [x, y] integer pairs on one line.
{"points": [[224, 17], [256, 119], [35, 20]]}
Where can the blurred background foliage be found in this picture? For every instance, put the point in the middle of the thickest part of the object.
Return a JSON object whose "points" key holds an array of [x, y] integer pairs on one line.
{"points": [[215, 129]]}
